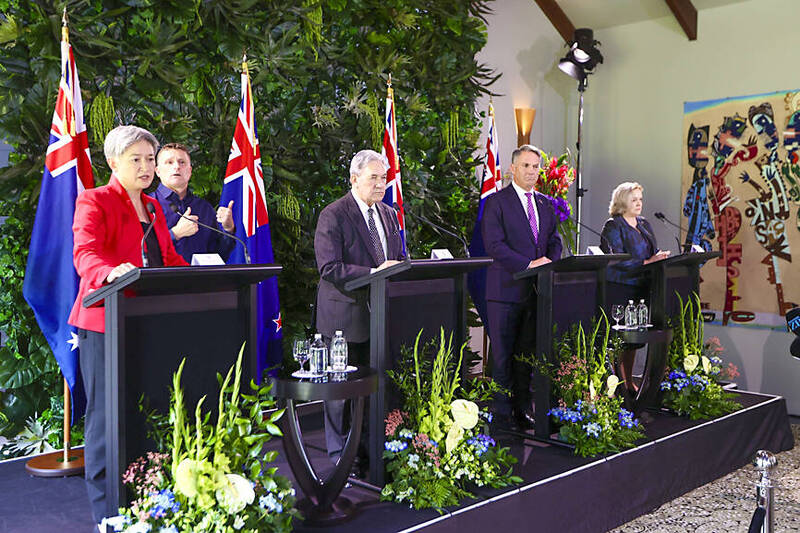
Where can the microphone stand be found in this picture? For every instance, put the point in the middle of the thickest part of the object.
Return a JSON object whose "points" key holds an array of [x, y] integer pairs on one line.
{"points": [[440, 229], [174, 209], [152, 211], [681, 247]]}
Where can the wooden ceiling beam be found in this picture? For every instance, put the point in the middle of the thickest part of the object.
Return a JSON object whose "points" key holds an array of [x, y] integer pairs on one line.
{"points": [[686, 14], [558, 19]]}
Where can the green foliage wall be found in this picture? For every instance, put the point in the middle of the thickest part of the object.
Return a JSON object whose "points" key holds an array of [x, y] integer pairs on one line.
{"points": [[319, 70]]}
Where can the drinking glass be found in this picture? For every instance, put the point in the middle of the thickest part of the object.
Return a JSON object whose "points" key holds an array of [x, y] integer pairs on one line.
{"points": [[617, 312], [300, 352]]}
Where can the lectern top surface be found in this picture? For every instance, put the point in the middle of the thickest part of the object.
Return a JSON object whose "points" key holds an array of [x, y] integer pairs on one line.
{"points": [[191, 279]]}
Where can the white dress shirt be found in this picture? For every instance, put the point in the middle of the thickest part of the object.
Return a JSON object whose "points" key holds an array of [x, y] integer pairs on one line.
{"points": [[524, 199], [377, 217]]}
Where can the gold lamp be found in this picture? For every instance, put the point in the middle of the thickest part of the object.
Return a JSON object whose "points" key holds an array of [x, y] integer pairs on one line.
{"points": [[523, 116]]}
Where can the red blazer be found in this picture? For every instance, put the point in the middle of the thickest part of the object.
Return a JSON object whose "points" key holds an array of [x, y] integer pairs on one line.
{"points": [[107, 232]]}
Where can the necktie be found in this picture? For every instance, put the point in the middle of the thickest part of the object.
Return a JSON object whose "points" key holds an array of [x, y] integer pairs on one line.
{"points": [[376, 240], [532, 217]]}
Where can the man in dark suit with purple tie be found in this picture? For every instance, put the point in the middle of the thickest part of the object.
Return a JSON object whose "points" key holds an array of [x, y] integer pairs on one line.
{"points": [[356, 235], [519, 232]]}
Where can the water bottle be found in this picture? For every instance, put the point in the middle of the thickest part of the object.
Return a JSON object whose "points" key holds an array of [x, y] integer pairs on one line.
{"points": [[631, 316], [338, 353], [319, 355], [642, 311]]}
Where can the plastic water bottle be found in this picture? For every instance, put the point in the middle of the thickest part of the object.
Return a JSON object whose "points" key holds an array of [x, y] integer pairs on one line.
{"points": [[631, 316], [642, 311], [319, 355], [338, 353]]}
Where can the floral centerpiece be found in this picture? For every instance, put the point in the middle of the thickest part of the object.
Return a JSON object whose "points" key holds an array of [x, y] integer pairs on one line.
{"points": [[555, 177], [590, 415], [691, 385], [439, 445], [213, 477]]}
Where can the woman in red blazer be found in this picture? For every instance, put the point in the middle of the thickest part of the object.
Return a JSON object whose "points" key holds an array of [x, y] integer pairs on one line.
{"points": [[109, 224]]}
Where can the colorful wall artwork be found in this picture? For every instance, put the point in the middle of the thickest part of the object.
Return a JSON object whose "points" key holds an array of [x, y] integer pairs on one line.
{"points": [[740, 194]]}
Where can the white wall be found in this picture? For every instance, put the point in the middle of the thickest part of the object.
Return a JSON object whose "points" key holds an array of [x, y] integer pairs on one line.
{"points": [[525, 48], [634, 117], [634, 121]]}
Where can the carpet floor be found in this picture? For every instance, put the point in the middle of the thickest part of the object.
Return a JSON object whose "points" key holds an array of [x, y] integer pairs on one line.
{"points": [[727, 504]]}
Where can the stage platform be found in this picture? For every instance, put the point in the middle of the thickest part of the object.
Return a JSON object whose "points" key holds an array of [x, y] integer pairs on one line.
{"points": [[560, 492]]}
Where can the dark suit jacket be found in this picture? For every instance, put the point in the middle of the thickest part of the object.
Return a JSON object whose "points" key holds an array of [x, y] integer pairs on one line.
{"points": [[344, 252], [509, 241], [618, 237]]}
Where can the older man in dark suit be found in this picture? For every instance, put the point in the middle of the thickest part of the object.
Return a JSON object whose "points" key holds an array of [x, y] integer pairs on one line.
{"points": [[356, 235], [519, 232]]}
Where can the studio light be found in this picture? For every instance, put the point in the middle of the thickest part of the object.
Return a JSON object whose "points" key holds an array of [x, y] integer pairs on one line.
{"points": [[582, 56], [580, 61]]}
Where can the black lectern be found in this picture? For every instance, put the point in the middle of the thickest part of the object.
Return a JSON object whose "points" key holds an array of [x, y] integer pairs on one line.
{"points": [[680, 274], [404, 298], [154, 318], [566, 291]]}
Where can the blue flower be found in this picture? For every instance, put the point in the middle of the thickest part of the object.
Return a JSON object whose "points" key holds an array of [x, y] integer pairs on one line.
{"points": [[481, 443], [168, 529], [561, 207], [270, 503], [666, 385], [626, 419], [593, 429], [396, 445], [406, 433], [676, 374]]}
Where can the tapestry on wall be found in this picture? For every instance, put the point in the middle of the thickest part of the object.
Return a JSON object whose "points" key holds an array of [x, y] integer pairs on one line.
{"points": [[741, 195]]}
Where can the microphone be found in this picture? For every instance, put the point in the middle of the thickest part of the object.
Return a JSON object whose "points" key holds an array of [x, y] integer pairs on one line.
{"points": [[174, 209], [438, 228], [681, 247], [152, 210]]}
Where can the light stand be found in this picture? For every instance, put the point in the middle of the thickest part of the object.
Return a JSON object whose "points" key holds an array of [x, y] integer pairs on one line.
{"points": [[579, 190], [581, 59]]}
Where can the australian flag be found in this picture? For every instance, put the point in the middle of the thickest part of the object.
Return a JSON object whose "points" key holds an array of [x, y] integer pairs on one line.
{"points": [[244, 184], [51, 282], [394, 190], [491, 181]]}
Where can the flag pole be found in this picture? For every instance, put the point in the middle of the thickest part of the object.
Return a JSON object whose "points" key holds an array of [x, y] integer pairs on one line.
{"points": [[66, 462]]}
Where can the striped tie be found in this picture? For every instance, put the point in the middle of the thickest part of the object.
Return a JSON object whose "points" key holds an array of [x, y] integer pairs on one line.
{"points": [[532, 217], [376, 239]]}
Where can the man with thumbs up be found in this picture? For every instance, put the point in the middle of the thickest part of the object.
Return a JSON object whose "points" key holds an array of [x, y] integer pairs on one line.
{"points": [[174, 169]]}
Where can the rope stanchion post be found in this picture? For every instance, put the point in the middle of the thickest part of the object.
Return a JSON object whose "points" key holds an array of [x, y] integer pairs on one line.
{"points": [[765, 463]]}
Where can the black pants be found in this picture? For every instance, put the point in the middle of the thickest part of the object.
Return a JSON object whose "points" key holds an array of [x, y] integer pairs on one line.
{"points": [[93, 370], [512, 326], [338, 412]]}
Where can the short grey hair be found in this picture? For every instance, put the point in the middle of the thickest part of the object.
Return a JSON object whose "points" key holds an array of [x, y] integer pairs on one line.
{"points": [[363, 158], [525, 148], [122, 137], [621, 196]]}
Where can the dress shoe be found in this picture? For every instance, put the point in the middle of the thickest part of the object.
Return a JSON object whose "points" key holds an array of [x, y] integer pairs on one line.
{"points": [[500, 424], [360, 467], [524, 420]]}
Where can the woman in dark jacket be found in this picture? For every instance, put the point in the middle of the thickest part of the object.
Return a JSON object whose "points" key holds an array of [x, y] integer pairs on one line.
{"points": [[627, 232]]}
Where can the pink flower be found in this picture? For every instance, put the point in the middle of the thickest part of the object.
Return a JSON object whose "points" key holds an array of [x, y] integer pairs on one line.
{"points": [[394, 420]]}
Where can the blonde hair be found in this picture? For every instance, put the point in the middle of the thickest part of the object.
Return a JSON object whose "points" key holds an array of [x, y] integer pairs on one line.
{"points": [[620, 197]]}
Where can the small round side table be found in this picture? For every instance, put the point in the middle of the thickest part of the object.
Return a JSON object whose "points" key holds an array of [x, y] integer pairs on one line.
{"points": [[322, 504]]}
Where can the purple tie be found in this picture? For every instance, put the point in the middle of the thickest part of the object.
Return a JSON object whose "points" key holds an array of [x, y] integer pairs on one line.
{"points": [[532, 217]]}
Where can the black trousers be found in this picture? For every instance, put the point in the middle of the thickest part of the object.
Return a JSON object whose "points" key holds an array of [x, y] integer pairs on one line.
{"points": [[338, 412], [93, 371], [513, 329]]}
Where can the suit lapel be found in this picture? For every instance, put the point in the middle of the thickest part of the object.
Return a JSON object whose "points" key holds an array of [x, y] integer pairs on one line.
{"points": [[518, 212], [361, 226], [645, 229], [542, 211], [392, 237]]}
